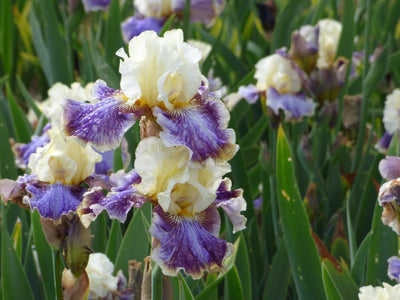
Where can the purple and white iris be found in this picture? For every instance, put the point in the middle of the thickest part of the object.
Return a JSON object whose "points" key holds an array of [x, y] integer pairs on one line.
{"points": [[180, 161]]}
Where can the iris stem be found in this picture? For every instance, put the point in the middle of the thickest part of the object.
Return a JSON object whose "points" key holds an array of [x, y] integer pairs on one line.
{"points": [[57, 274]]}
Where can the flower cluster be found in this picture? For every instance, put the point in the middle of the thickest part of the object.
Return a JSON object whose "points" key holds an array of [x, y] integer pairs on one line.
{"points": [[290, 80], [180, 161]]}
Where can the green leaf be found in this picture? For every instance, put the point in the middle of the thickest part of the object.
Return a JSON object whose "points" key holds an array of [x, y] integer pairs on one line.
{"points": [[6, 37], [345, 47], [255, 132], [134, 244], [283, 26], [23, 131], [28, 98], [103, 69], [113, 38], [233, 287], [278, 275], [188, 294], [118, 163], [114, 240], [242, 264], [44, 254], [384, 244], [15, 285], [360, 261], [340, 282], [59, 59], [7, 164], [99, 231], [302, 252], [377, 71]]}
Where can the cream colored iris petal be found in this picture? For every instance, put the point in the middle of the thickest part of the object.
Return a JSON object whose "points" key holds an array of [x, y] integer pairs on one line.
{"points": [[99, 270], [160, 167], [51, 107], [328, 41], [154, 8], [160, 69], [391, 112], [277, 72], [63, 160], [168, 176]]}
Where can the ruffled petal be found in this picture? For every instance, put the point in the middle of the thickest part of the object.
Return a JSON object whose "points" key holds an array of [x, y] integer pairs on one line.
{"points": [[103, 123], [188, 244], [117, 203], [390, 167], [232, 202], [294, 105], [54, 200], [200, 126]]}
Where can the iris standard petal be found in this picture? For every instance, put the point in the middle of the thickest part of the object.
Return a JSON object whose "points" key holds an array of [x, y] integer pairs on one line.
{"points": [[390, 167]]}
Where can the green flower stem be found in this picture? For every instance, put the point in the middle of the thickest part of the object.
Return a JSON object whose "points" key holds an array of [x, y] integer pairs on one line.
{"points": [[58, 274]]}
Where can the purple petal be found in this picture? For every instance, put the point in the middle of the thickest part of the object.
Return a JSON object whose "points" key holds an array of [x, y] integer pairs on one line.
{"points": [[294, 106], [133, 26], [384, 142], [190, 244], [250, 93], [200, 126], [389, 167], [94, 5], [232, 202], [122, 180], [117, 203], [105, 166], [204, 11], [23, 151], [394, 268], [54, 200], [103, 123], [389, 192]]}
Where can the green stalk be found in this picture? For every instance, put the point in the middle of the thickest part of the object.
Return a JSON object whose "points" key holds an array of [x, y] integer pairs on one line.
{"points": [[58, 274]]}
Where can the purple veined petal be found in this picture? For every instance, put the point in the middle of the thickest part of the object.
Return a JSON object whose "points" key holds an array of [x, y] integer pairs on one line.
{"points": [[201, 126], [389, 167], [294, 106], [54, 200], [384, 142], [103, 123], [95, 5], [22, 152], [117, 203], [249, 92], [122, 180], [188, 244], [133, 26], [394, 268], [232, 202]]}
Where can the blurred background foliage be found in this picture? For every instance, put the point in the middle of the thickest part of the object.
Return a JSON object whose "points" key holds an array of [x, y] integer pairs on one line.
{"points": [[320, 239]]}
